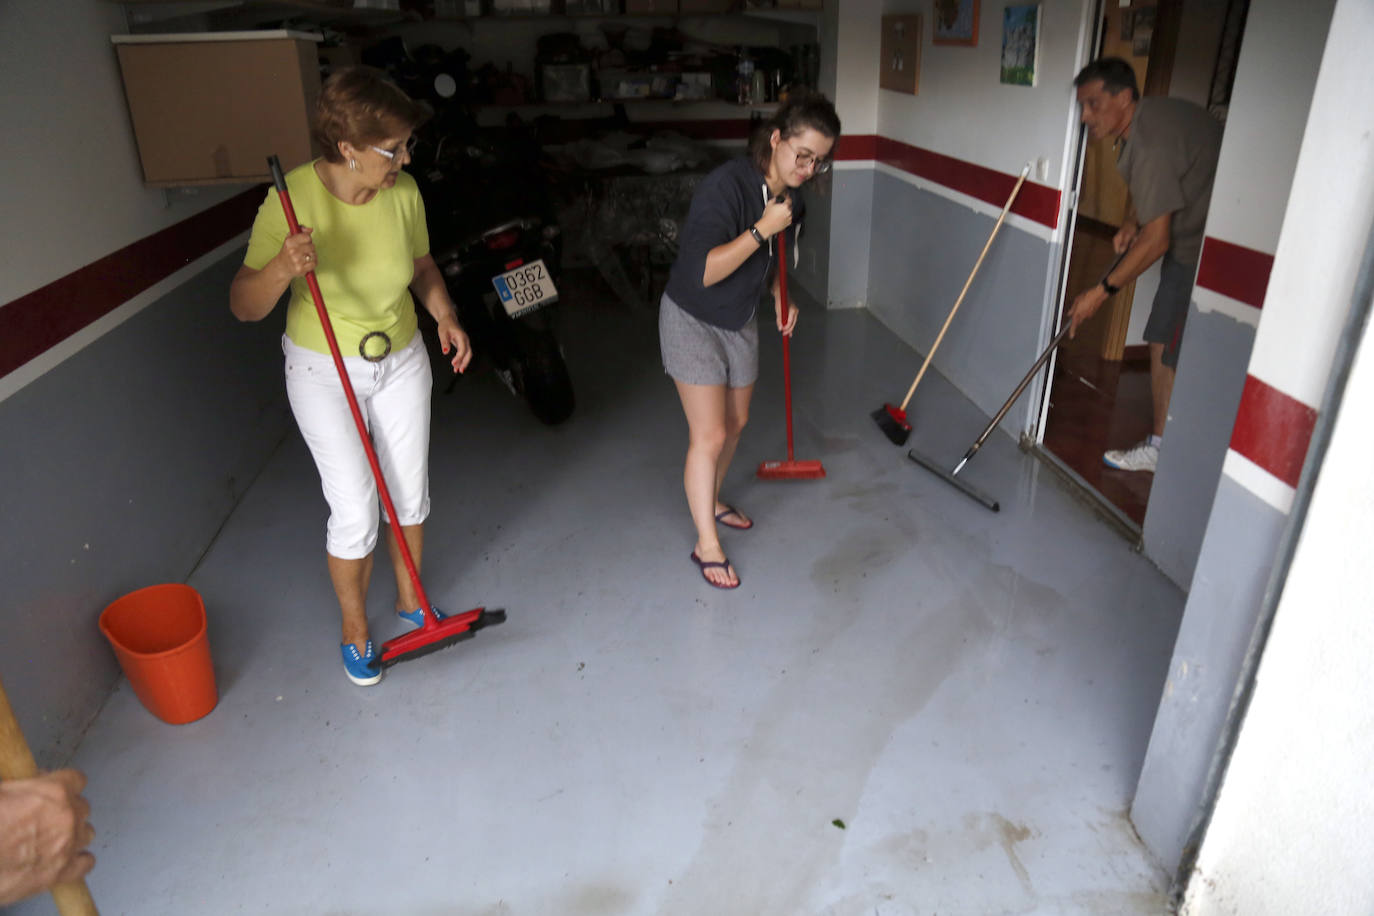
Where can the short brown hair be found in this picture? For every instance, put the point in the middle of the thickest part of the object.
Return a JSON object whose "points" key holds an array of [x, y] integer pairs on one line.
{"points": [[361, 106], [1116, 76], [803, 109]]}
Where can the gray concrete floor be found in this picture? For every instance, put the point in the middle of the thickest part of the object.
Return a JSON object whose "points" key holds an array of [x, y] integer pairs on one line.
{"points": [[969, 693]]}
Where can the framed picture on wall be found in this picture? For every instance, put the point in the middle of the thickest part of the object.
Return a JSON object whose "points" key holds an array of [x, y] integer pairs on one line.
{"points": [[1020, 44], [956, 22], [901, 54]]}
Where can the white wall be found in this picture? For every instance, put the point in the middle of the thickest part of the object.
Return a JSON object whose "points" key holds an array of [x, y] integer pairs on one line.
{"points": [[1279, 60], [1265, 126], [859, 33], [134, 437], [1290, 832], [73, 189], [963, 110], [852, 32]]}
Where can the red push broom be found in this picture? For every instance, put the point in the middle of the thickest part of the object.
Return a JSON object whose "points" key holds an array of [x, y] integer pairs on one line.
{"points": [[436, 634], [791, 469]]}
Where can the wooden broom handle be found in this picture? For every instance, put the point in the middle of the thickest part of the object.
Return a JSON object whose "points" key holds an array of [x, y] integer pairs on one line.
{"points": [[16, 762], [967, 283]]}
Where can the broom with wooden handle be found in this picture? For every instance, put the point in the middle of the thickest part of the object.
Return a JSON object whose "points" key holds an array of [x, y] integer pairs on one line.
{"points": [[16, 762], [892, 420]]}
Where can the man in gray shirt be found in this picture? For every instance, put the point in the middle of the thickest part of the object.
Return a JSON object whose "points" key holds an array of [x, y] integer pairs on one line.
{"points": [[1167, 152]]}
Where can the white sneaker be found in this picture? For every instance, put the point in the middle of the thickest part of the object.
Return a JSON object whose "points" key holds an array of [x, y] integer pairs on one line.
{"points": [[1141, 457]]}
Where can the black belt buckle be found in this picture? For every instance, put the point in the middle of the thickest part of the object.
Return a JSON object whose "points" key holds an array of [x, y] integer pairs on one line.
{"points": [[362, 346]]}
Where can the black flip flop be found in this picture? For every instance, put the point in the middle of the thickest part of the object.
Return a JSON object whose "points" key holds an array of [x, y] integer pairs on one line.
{"points": [[703, 565], [731, 510]]}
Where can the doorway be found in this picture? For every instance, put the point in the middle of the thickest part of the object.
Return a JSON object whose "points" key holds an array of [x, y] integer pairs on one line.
{"points": [[1098, 395]]}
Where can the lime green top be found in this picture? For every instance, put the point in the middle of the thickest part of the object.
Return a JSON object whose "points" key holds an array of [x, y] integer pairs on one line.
{"points": [[366, 254]]}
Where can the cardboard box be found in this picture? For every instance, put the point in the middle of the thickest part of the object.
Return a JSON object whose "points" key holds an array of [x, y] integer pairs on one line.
{"points": [[657, 7], [210, 107]]}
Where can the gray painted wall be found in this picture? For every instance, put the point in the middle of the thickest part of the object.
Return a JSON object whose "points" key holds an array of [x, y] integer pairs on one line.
{"points": [[851, 216], [1207, 389], [120, 465], [811, 272], [1218, 621], [923, 247]]}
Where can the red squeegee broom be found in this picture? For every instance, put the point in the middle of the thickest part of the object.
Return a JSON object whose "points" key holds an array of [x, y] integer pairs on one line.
{"points": [[436, 634], [791, 469]]}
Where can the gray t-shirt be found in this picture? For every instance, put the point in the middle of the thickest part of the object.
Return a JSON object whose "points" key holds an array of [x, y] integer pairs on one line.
{"points": [[1169, 161]]}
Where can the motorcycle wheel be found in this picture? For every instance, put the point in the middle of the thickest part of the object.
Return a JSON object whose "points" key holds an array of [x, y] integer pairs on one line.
{"points": [[545, 382]]}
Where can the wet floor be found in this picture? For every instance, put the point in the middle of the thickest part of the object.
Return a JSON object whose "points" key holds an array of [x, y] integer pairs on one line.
{"points": [[912, 705]]}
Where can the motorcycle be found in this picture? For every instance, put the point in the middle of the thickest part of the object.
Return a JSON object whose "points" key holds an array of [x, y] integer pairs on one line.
{"points": [[496, 240]]}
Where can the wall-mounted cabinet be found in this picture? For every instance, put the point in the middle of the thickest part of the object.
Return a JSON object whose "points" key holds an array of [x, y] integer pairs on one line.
{"points": [[209, 108]]}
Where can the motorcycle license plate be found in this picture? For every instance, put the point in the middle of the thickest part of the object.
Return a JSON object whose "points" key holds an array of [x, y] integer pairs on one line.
{"points": [[525, 288]]}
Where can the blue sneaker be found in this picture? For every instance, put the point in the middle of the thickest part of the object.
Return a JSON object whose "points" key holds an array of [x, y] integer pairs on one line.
{"points": [[361, 669], [417, 616]]}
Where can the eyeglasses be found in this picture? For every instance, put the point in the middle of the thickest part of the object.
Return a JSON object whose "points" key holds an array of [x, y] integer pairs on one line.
{"points": [[408, 147], [803, 159]]}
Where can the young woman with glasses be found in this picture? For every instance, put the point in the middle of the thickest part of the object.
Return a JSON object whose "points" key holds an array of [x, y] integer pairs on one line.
{"points": [[363, 233], [707, 328]]}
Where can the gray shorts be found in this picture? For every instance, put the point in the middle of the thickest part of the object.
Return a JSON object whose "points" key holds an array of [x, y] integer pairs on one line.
{"points": [[1170, 308], [697, 353]]}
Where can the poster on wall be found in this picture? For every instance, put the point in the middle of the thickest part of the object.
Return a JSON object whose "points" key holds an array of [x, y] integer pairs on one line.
{"points": [[956, 22], [1020, 44]]}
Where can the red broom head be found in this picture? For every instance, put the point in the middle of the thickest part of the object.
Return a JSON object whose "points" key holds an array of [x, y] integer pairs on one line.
{"points": [[791, 470], [436, 635]]}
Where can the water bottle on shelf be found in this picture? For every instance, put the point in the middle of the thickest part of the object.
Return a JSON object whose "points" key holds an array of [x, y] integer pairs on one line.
{"points": [[745, 79]]}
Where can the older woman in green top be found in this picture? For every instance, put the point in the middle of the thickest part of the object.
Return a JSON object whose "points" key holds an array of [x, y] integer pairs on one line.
{"points": [[363, 233]]}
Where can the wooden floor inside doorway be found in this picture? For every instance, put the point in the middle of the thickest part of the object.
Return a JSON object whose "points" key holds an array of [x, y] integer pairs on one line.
{"points": [[1095, 405]]}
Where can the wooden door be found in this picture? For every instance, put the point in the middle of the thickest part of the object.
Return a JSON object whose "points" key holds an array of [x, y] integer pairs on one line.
{"points": [[1103, 196]]}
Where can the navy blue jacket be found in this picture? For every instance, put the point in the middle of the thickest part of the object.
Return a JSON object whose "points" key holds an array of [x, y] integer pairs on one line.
{"points": [[727, 202]]}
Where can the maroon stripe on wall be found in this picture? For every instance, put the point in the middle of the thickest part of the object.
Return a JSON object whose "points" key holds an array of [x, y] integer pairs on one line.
{"points": [[34, 323], [1273, 430], [858, 146], [1235, 271], [1035, 201]]}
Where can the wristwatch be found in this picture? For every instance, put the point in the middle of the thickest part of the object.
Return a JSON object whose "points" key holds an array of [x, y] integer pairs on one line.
{"points": [[758, 236], [1111, 290]]}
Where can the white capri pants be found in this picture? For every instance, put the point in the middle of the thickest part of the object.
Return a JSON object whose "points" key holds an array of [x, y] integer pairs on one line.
{"points": [[393, 396]]}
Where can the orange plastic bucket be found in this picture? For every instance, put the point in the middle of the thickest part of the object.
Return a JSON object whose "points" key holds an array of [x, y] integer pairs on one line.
{"points": [[159, 636]]}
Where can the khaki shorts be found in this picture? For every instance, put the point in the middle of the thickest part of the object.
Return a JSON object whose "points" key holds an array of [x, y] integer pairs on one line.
{"points": [[1170, 309]]}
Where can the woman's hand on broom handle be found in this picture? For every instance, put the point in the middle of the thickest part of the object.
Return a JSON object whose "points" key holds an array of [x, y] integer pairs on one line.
{"points": [[297, 255], [786, 323], [777, 216]]}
